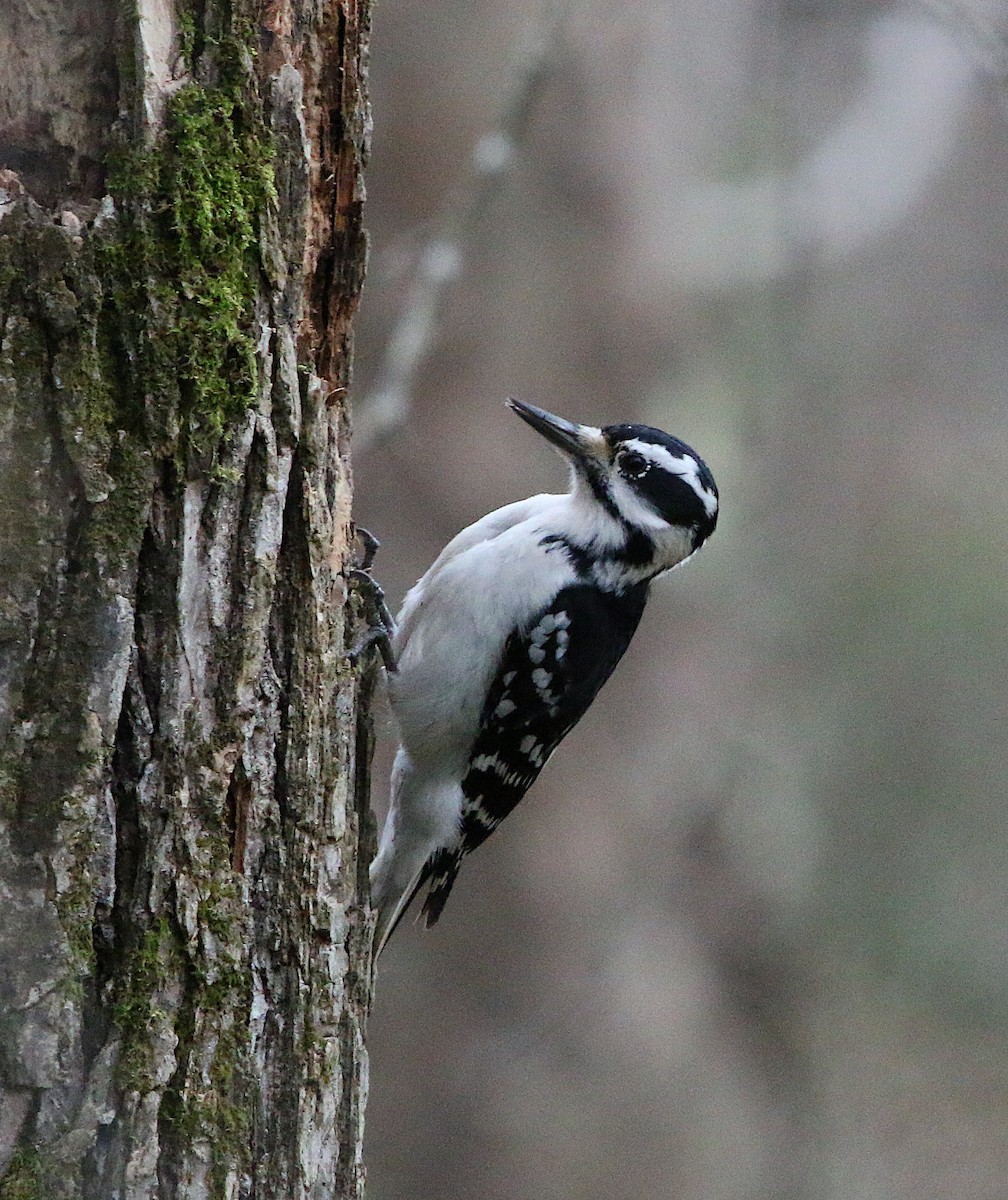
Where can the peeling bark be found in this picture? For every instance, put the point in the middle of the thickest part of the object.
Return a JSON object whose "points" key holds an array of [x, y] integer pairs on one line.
{"points": [[184, 748]]}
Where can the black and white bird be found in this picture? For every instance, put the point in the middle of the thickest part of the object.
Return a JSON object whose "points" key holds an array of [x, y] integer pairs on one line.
{"points": [[501, 647]]}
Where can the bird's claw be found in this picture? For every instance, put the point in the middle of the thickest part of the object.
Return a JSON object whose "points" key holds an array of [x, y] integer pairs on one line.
{"points": [[369, 546], [381, 623]]}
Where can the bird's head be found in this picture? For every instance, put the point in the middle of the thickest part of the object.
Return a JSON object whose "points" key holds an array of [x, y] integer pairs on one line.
{"points": [[652, 484]]}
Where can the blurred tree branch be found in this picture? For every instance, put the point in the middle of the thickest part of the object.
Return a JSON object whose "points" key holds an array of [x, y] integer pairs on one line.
{"points": [[442, 258]]}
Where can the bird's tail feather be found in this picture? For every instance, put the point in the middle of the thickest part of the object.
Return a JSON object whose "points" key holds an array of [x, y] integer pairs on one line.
{"points": [[391, 911], [439, 871]]}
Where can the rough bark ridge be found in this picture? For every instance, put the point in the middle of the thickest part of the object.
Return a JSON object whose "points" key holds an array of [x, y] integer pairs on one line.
{"points": [[183, 747]]}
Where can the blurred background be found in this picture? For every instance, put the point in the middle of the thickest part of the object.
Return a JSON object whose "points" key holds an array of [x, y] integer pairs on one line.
{"points": [[746, 937]]}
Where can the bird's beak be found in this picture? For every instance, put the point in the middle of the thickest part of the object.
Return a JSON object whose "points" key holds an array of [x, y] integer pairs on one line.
{"points": [[584, 443]]}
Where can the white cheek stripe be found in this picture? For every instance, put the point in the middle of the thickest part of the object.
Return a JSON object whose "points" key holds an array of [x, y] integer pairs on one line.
{"points": [[685, 467]]}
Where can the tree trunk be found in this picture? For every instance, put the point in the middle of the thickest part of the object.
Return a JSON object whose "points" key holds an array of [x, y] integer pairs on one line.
{"points": [[184, 829]]}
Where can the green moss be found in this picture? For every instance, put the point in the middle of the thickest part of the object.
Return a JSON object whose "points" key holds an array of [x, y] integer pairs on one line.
{"points": [[187, 268], [214, 1101], [211, 1102], [187, 31], [219, 179], [150, 967], [119, 523], [24, 1178], [76, 912], [220, 1113]]}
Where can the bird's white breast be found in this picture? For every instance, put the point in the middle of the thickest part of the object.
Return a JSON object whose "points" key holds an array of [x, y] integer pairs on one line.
{"points": [[455, 621]]}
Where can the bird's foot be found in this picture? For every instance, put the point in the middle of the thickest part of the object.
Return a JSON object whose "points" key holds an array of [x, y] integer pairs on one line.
{"points": [[366, 545], [381, 624]]}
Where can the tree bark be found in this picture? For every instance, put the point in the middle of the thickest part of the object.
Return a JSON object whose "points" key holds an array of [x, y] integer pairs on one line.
{"points": [[184, 830]]}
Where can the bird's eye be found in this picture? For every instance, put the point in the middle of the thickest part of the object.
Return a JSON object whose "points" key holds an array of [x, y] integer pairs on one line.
{"points": [[633, 465]]}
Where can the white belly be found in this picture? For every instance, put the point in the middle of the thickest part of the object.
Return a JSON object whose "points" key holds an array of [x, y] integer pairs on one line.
{"points": [[452, 630]]}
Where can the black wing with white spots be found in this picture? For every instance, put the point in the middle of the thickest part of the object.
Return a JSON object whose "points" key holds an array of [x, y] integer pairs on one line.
{"points": [[547, 678]]}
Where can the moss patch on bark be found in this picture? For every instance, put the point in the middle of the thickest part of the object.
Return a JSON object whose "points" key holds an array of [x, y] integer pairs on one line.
{"points": [[186, 267]]}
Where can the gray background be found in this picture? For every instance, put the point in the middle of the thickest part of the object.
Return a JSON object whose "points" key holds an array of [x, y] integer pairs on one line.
{"points": [[746, 936]]}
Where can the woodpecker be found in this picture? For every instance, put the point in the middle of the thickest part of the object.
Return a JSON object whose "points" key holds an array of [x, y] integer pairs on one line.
{"points": [[503, 644]]}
